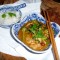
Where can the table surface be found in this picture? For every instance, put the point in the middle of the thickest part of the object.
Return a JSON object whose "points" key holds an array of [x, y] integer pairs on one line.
{"points": [[9, 46], [7, 2]]}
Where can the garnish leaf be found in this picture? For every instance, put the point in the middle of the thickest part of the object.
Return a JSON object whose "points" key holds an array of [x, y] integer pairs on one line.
{"points": [[12, 14], [3, 15], [39, 34], [33, 28]]}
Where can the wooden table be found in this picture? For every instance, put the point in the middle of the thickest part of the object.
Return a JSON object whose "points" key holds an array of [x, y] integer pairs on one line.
{"points": [[4, 56], [7, 1]]}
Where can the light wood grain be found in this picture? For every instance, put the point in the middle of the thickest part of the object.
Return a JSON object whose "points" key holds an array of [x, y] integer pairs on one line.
{"points": [[56, 56]]}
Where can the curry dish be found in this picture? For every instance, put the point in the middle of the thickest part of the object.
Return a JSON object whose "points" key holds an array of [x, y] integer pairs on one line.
{"points": [[35, 35]]}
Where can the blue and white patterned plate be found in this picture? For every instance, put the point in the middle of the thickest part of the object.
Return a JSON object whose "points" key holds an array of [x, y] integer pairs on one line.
{"points": [[8, 8], [15, 28]]}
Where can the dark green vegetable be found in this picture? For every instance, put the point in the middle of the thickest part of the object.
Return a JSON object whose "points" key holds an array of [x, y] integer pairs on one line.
{"points": [[3, 15], [37, 31], [33, 28], [39, 34], [12, 14]]}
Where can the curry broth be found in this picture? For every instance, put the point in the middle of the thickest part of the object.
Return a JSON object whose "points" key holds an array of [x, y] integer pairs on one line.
{"points": [[35, 35]]}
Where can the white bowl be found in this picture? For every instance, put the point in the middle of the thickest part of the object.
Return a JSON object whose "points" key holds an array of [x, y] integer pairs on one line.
{"points": [[8, 21], [15, 28]]}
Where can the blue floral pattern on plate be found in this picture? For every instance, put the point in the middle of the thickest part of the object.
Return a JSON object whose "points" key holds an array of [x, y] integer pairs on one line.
{"points": [[32, 16], [7, 8]]}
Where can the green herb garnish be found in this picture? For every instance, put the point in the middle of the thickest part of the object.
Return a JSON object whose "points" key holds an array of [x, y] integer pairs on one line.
{"points": [[12, 14], [33, 28], [36, 29], [3, 15], [39, 34]]}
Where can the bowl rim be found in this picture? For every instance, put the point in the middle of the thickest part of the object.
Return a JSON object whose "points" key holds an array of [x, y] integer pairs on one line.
{"points": [[24, 45]]}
